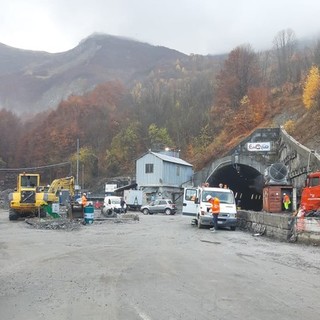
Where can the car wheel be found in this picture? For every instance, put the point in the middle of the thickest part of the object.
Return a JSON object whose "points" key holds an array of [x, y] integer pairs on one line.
{"points": [[145, 211], [167, 211], [233, 228]]}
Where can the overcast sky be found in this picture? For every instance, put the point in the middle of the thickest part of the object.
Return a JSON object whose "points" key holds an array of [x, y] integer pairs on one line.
{"points": [[189, 26]]}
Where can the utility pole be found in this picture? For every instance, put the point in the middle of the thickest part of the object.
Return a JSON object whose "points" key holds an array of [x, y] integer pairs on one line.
{"points": [[82, 186], [77, 178]]}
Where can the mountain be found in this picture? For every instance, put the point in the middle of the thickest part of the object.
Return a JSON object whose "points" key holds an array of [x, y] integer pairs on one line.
{"points": [[123, 97], [32, 81]]}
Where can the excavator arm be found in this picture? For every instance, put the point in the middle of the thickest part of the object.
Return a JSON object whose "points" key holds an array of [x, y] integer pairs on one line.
{"points": [[66, 183]]}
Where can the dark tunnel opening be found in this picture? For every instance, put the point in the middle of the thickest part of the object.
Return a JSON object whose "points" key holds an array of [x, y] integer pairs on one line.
{"points": [[246, 183]]}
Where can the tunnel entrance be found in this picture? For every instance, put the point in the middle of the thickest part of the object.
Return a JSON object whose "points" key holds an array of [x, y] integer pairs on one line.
{"points": [[246, 183]]}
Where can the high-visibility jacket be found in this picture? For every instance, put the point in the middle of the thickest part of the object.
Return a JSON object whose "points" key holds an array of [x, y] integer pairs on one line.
{"points": [[286, 198], [286, 201], [215, 205], [84, 200]]}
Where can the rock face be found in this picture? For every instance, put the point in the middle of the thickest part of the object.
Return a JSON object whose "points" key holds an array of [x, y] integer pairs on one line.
{"points": [[35, 81]]}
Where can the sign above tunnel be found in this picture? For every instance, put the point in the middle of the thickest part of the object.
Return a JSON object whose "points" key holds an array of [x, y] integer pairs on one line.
{"points": [[259, 146]]}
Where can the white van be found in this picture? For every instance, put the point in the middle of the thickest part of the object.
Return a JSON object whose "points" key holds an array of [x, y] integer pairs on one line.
{"points": [[112, 205], [196, 206]]}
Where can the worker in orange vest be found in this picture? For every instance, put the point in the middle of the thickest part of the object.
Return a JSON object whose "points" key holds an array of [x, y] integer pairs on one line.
{"points": [[215, 210], [84, 199]]}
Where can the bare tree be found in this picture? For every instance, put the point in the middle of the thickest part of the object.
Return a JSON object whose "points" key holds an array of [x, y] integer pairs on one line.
{"points": [[240, 71], [316, 53], [284, 48], [265, 63]]}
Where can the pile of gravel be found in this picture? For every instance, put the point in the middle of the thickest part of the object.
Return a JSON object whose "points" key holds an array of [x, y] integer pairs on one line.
{"points": [[55, 224]]}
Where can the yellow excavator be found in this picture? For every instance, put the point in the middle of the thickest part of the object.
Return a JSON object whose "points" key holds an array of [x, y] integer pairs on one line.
{"points": [[54, 191], [62, 191], [30, 198]]}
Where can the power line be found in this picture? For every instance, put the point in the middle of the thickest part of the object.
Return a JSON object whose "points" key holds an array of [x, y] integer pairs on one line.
{"points": [[37, 168]]}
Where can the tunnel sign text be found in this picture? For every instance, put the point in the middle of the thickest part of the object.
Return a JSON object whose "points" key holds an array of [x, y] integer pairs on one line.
{"points": [[259, 146]]}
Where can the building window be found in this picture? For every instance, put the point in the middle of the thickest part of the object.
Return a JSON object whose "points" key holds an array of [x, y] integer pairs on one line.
{"points": [[178, 171], [149, 167]]}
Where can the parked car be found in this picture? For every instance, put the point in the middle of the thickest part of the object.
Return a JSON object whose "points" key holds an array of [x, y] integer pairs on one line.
{"points": [[112, 205], [159, 206]]}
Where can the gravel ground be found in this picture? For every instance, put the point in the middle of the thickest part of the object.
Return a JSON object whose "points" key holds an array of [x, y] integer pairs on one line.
{"points": [[157, 267]]}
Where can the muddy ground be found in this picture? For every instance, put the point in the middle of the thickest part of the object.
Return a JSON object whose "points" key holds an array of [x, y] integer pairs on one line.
{"points": [[159, 267]]}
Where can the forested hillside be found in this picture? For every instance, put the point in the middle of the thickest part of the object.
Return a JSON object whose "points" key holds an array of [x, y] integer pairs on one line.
{"points": [[199, 105], [35, 81]]}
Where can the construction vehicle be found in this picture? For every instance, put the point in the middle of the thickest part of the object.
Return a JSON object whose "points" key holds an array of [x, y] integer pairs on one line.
{"points": [[28, 198], [61, 190], [310, 196], [32, 199]]}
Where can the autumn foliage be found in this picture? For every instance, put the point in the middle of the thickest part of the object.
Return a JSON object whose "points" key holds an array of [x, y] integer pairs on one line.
{"points": [[311, 92], [195, 106]]}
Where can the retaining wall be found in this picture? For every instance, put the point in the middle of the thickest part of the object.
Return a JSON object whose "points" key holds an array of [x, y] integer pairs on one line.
{"points": [[281, 226]]}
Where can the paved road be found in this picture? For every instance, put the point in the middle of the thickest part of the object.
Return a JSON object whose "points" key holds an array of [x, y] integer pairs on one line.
{"points": [[158, 268]]}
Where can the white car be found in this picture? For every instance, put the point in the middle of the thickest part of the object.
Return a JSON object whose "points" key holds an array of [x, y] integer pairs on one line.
{"points": [[112, 205]]}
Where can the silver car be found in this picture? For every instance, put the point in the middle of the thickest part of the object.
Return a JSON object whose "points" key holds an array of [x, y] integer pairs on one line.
{"points": [[159, 206]]}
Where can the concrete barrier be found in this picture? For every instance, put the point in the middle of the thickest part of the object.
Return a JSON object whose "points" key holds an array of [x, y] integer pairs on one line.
{"points": [[281, 226]]}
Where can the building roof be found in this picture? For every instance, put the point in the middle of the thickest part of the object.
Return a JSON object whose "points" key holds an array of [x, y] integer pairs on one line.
{"points": [[126, 187], [171, 159]]}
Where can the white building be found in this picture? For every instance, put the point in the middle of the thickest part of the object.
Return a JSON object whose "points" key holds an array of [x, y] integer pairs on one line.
{"points": [[162, 176]]}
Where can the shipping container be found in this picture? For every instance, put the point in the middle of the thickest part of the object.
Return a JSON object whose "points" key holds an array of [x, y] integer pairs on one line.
{"points": [[273, 198]]}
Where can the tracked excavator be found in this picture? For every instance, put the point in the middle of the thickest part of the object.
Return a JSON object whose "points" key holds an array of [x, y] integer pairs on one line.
{"points": [[62, 190], [53, 192]]}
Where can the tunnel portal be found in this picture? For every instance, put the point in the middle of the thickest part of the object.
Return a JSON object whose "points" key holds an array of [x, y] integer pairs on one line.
{"points": [[245, 181]]}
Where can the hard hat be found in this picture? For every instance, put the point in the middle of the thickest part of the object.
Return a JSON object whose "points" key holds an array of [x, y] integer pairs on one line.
{"points": [[84, 194], [284, 194], [208, 197]]}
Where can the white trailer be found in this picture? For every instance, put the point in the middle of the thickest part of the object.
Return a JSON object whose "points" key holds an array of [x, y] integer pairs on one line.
{"points": [[133, 199]]}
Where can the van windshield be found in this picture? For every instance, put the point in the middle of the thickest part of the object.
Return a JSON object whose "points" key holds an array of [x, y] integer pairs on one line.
{"points": [[224, 196]]}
